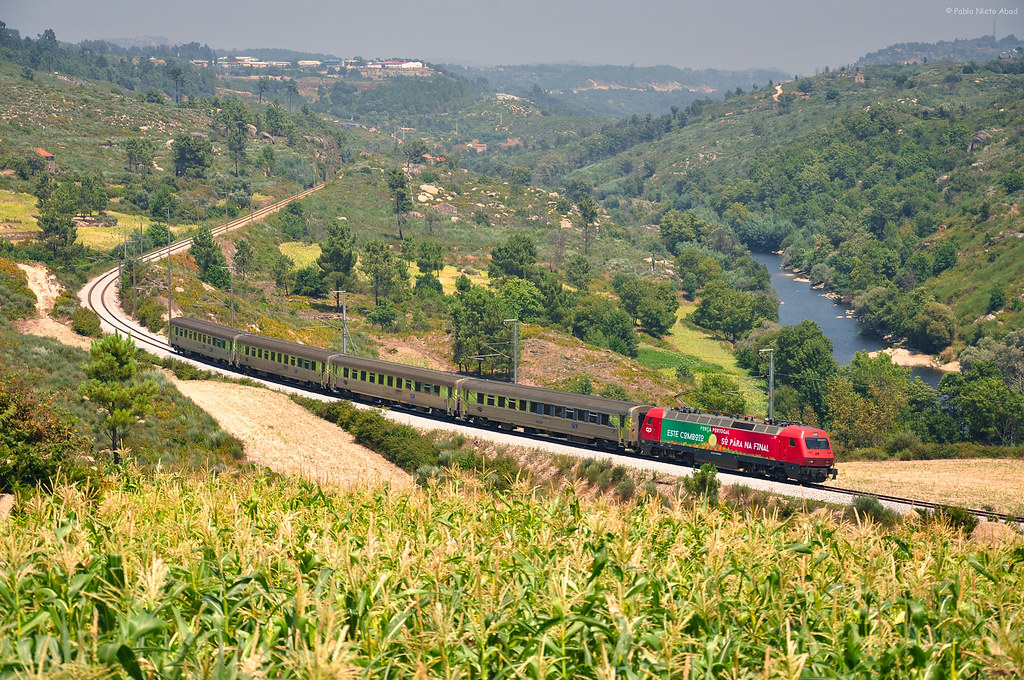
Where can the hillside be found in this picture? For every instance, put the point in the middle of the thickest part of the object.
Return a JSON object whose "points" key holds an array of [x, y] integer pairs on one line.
{"points": [[978, 49]]}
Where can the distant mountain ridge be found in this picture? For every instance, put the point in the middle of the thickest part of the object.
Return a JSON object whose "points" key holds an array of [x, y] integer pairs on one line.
{"points": [[978, 49], [609, 90]]}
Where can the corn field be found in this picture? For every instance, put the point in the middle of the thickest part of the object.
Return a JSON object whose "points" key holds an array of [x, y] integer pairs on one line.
{"points": [[251, 575]]}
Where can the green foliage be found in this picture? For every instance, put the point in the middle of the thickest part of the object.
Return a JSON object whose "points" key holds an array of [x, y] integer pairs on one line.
{"points": [[17, 301], [383, 315], [192, 155], [151, 313], [209, 258], [309, 281], [598, 321], [718, 392], [400, 444], [113, 387], [578, 272], [871, 508], [40, 445], [956, 517], [704, 483], [515, 257], [388, 274]]}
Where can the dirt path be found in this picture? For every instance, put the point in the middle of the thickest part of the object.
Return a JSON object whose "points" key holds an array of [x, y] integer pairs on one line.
{"points": [[47, 289], [283, 436]]}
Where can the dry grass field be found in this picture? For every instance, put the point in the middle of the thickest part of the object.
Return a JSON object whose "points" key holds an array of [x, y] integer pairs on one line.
{"points": [[975, 483]]}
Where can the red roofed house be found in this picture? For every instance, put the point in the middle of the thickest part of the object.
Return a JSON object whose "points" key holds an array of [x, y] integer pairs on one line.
{"points": [[51, 160]]}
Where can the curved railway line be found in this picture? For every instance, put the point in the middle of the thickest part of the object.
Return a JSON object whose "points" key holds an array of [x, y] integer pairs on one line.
{"points": [[100, 295]]}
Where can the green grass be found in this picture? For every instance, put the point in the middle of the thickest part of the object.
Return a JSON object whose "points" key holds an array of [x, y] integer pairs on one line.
{"points": [[16, 210], [302, 254], [270, 577]]}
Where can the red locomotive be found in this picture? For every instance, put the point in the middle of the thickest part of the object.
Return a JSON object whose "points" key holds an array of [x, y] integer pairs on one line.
{"points": [[779, 450]]}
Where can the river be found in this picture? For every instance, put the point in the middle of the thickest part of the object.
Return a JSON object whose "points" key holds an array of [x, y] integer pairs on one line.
{"points": [[801, 302]]}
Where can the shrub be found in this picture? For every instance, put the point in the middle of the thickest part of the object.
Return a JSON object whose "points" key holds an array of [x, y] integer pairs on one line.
{"points": [[39, 445], [625, 489], [17, 301], [151, 314], [871, 508], [956, 517], [703, 483], [86, 322], [901, 441], [402, 445]]}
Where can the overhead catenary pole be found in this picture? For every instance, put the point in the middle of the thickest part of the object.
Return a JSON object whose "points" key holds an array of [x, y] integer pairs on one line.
{"points": [[168, 269], [515, 349], [771, 381], [344, 323]]}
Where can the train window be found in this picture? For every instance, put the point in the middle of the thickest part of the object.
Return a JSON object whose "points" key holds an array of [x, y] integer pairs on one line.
{"points": [[537, 407], [391, 381], [570, 414], [816, 443], [490, 400], [436, 390], [362, 375], [502, 403], [524, 405], [606, 420], [593, 417], [792, 442], [549, 409]]}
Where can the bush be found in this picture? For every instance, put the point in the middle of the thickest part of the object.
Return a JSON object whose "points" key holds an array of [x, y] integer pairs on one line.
{"points": [[956, 517], [401, 445], [901, 441], [39, 446], [86, 322], [625, 489], [151, 314], [871, 508], [703, 483]]}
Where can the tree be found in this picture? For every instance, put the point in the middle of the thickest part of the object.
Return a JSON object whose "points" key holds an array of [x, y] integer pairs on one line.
{"points": [[192, 155], [414, 151], [113, 386], [338, 256], [520, 299], [477, 329], [245, 258], [398, 184], [725, 310], [177, 74], [387, 272], [657, 311], [430, 257], [59, 231], [935, 327], [719, 392], [384, 314], [578, 272], [281, 269], [515, 257], [987, 410], [588, 215], [267, 160], [309, 282], [598, 321], [261, 86], [804, 361], [39, 446], [209, 259], [139, 153]]}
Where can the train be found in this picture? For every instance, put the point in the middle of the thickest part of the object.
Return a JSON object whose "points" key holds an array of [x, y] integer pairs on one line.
{"points": [[777, 449]]}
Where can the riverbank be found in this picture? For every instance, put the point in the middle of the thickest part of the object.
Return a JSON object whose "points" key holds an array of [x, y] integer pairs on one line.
{"points": [[910, 359]]}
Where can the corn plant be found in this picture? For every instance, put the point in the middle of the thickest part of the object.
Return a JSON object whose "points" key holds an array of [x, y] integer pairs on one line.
{"points": [[252, 575]]}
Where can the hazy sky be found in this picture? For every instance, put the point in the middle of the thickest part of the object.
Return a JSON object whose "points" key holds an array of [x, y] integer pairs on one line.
{"points": [[794, 35]]}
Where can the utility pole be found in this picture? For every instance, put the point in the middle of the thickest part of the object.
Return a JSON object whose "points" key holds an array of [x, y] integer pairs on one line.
{"points": [[515, 349], [771, 381], [344, 323], [168, 271], [231, 287]]}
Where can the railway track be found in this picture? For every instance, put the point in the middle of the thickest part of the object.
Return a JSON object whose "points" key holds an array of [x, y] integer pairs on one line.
{"points": [[926, 505], [100, 294]]}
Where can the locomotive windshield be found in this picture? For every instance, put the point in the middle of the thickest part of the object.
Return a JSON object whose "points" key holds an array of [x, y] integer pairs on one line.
{"points": [[816, 443]]}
